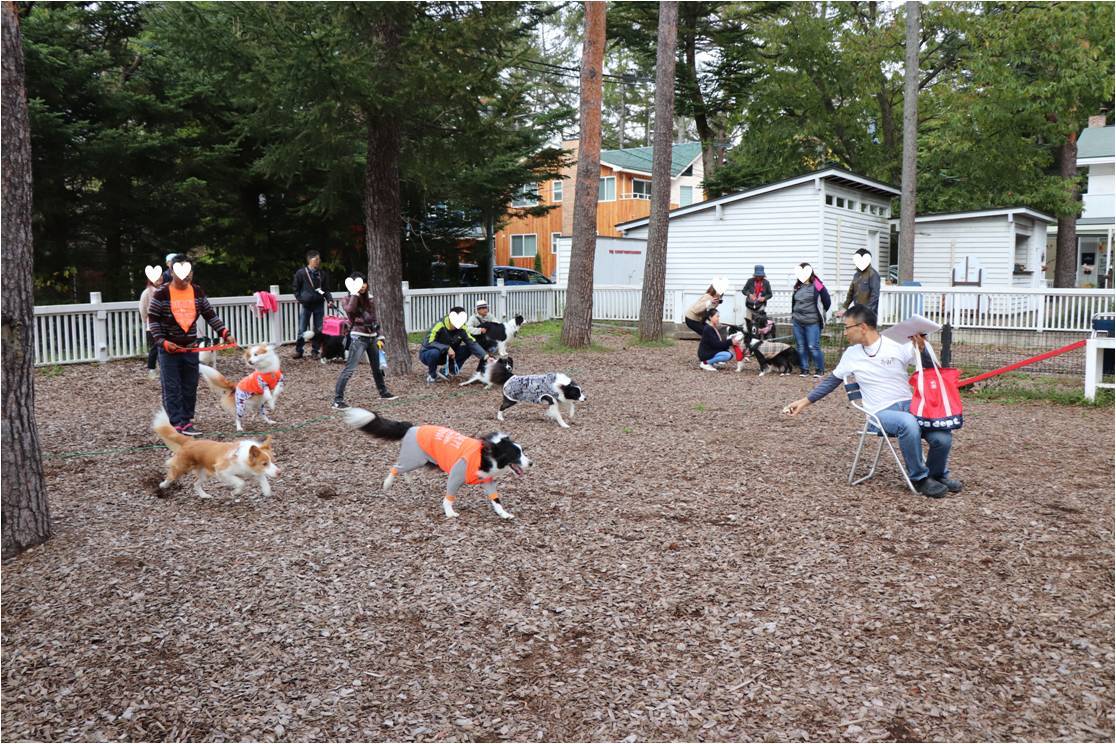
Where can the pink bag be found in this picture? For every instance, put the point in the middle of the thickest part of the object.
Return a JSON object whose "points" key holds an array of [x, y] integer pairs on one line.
{"points": [[334, 325]]}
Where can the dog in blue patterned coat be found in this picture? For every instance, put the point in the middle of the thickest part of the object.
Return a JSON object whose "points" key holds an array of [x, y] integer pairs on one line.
{"points": [[552, 390]]}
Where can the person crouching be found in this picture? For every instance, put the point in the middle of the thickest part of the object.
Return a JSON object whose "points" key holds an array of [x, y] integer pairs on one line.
{"points": [[713, 349]]}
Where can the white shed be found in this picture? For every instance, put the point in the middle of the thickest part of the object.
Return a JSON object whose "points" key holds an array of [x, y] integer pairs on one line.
{"points": [[822, 217], [1008, 246], [618, 260]]}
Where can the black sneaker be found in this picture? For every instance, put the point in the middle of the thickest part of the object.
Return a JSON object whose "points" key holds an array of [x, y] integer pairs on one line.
{"points": [[315, 355], [952, 484], [931, 488], [385, 395], [189, 430], [297, 355], [339, 405]]}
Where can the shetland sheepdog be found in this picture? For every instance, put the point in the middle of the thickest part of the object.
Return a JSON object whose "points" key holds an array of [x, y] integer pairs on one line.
{"points": [[256, 392], [230, 462]]}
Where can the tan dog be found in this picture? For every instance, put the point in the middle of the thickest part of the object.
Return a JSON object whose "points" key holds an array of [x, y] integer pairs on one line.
{"points": [[230, 462]]}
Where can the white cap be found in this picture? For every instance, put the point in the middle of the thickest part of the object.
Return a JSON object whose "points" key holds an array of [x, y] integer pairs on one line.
{"points": [[480, 304], [169, 257]]}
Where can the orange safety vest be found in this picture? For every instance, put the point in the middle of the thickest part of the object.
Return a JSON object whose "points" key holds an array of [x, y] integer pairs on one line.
{"points": [[446, 447], [251, 383], [183, 307]]}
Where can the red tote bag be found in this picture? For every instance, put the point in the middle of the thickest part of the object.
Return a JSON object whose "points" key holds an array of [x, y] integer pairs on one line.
{"points": [[936, 402]]}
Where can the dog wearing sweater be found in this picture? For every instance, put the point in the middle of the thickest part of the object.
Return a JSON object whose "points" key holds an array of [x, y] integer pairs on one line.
{"points": [[466, 460], [259, 389], [552, 390]]}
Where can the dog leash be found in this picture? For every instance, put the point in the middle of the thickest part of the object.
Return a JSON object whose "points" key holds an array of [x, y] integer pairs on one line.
{"points": [[197, 349]]}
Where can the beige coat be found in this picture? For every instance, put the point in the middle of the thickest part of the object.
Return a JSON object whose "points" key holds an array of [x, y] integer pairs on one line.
{"points": [[698, 310]]}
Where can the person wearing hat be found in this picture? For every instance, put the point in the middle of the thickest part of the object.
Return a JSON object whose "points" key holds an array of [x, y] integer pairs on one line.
{"points": [[757, 291], [167, 271], [864, 289], [479, 325]]}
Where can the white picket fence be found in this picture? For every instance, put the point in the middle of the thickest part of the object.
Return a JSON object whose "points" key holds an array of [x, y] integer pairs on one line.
{"points": [[101, 331]]}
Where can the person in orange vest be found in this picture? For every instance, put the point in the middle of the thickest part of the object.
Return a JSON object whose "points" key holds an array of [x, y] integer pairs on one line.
{"points": [[172, 321]]}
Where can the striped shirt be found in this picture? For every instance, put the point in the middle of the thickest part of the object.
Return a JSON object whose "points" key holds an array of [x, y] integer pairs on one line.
{"points": [[164, 326]]}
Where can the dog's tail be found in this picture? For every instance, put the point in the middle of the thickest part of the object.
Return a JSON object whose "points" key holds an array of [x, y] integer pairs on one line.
{"points": [[216, 381], [376, 426], [162, 426]]}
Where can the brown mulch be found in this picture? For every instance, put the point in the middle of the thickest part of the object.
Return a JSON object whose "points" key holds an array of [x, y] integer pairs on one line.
{"points": [[686, 564]]}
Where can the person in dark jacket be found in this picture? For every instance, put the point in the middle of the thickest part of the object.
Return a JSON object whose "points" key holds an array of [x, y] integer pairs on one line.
{"points": [[809, 305], [364, 341], [757, 291], [172, 317], [311, 289], [713, 349], [864, 289], [448, 338]]}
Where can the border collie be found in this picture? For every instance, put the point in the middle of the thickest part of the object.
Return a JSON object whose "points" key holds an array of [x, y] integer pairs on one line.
{"points": [[552, 390], [495, 373], [466, 460], [254, 393], [231, 462]]}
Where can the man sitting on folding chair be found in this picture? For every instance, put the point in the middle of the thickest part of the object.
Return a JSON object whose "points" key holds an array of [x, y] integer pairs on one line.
{"points": [[880, 368]]}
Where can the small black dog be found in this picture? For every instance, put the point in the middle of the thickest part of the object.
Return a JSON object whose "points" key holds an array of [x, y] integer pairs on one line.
{"points": [[495, 373]]}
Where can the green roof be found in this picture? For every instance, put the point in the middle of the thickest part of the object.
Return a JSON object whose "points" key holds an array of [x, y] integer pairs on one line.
{"points": [[1095, 142], [639, 158]]}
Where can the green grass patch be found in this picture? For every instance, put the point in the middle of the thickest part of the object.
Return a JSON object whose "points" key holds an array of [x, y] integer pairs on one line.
{"points": [[663, 343], [1020, 387], [700, 408], [54, 370]]}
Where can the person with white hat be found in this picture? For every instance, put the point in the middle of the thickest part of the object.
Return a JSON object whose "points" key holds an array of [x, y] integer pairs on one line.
{"points": [[478, 326], [167, 271]]}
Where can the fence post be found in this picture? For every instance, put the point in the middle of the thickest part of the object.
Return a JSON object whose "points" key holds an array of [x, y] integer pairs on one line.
{"points": [[408, 324], [502, 303], [100, 329], [679, 310], [276, 319], [947, 344], [1040, 317]]}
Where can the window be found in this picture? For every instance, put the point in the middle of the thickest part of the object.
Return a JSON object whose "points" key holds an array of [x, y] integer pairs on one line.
{"points": [[556, 190], [536, 278], [607, 189], [554, 242], [851, 205], [685, 195], [829, 199], [528, 196], [641, 189], [689, 170], [524, 246], [839, 201], [864, 206]]}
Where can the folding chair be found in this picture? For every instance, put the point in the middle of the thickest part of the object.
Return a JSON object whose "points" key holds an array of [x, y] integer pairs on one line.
{"points": [[852, 390]]}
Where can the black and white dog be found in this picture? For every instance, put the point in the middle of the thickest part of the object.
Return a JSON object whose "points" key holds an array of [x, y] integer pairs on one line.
{"points": [[334, 348], [552, 390], [498, 335], [772, 354], [495, 373]]}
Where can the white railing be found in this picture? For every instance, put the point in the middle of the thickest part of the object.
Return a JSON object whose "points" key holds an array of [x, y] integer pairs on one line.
{"points": [[100, 331]]}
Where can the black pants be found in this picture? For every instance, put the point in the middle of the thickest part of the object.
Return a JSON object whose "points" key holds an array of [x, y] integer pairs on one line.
{"points": [[696, 326], [360, 347], [152, 351]]}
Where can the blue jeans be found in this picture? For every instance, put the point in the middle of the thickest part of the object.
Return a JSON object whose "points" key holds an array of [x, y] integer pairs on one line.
{"points": [[178, 374], [359, 348], [433, 357], [898, 421], [808, 340], [720, 356], [304, 316]]}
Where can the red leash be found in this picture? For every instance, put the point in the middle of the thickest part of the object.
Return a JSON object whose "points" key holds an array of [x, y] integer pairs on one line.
{"points": [[196, 349], [1024, 363]]}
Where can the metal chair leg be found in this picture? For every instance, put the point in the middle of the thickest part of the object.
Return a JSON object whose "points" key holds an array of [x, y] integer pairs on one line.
{"points": [[856, 460], [902, 466]]}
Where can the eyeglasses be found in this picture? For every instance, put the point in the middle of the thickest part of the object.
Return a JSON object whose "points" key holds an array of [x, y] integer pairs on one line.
{"points": [[852, 325]]}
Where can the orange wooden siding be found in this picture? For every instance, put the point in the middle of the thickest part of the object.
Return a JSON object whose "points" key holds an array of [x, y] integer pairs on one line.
{"points": [[609, 214]]}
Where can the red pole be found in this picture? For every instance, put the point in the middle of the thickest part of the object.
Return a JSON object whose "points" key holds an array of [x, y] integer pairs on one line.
{"points": [[1024, 363]]}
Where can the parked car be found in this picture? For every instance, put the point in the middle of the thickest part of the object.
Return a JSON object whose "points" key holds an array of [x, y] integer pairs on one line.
{"points": [[472, 275], [514, 275]]}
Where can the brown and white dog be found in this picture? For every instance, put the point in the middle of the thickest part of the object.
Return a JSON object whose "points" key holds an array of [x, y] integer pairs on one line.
{"points": [[259, 389], [230, 462]]}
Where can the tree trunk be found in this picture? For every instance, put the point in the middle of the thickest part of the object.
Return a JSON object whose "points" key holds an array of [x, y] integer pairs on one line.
{"points": [[710, 153], [25, 513], [654, 268], [382, 231], [577, 321], [1065, 258], [910, 147]]}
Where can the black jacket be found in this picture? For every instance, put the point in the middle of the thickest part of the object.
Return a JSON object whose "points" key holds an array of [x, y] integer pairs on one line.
{"points": [[711, 343], [306, 281], [750, 291]]}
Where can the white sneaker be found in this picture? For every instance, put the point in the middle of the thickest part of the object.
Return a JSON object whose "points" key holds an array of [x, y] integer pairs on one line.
{"points": [[152, 374], [708, 367]]}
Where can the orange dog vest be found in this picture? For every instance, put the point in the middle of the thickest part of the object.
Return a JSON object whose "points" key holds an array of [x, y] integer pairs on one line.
{"points": [[252, 383], [446, 447]]}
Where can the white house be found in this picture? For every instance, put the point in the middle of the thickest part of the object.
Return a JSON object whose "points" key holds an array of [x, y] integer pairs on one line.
{"points": [[618, 261], [822, 218], [1001, 247], [1096, 150]]}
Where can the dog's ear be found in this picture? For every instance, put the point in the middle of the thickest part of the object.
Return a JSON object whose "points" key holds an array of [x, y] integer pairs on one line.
{"points": [[254, 454], [267, 443]]}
